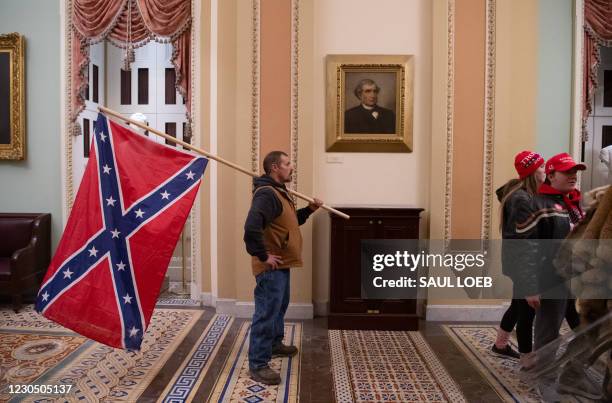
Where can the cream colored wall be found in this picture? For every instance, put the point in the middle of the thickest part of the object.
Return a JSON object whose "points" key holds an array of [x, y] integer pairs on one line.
{"points": [[202, 129], [515, 89], [515, 97], [234, 277], [302, 280], [244, 281], [415, 27], [515, 109], [228, 209], [439, 110], [360, 27]]}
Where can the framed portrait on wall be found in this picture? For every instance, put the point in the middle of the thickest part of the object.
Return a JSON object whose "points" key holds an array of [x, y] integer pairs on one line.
{"points": [[369, 103], [12, 97]]}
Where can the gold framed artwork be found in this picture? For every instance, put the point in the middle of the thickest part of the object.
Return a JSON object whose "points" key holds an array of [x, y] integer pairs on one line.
{"points": [[12, 97], [369, 105]]}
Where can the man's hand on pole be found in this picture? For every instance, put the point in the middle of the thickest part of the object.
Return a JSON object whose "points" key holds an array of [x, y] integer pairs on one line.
{"points": [[317, 203]]}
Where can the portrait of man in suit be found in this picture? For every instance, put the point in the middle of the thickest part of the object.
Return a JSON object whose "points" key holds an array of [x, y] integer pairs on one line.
{"points": [[368, 116]]}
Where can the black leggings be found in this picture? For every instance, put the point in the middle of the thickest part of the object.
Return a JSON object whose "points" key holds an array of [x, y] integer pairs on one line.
{"points": [[519, 313], [571, 314]]}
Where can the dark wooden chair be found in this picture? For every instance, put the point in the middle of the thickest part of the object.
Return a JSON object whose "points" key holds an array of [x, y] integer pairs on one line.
{"points": [[25, 253]]}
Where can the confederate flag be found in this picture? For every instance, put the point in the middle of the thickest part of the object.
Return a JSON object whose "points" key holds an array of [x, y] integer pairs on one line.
{"points": [[131, 206]]}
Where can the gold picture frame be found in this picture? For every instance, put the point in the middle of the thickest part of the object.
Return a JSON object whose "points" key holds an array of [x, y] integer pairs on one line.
{"points": [[369, 103], [12, 97]]}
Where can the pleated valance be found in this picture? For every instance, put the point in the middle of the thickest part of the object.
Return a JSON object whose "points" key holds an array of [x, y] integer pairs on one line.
{"points": [[130, 24], [597, 33]]}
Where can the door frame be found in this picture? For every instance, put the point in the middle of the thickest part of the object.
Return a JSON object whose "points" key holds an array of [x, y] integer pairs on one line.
{"points": [[67, 140]]}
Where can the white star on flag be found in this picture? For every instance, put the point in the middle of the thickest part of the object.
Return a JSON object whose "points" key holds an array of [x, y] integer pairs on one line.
{"points": [[93, 251], [121, 186], [133, 331]]}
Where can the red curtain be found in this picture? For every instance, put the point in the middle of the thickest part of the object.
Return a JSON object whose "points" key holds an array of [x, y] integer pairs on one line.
{"points": [[159, 20], [597, 33]]}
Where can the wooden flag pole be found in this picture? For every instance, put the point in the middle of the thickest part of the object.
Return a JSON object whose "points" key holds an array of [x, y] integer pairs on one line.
{"points": [[117, 115]]}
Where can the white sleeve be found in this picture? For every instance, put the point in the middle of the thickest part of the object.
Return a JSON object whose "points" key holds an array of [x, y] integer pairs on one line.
{"points": [[604, 155]]}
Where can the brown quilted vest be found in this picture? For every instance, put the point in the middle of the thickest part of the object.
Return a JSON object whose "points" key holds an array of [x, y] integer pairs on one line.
{"points": [[282, 236]]}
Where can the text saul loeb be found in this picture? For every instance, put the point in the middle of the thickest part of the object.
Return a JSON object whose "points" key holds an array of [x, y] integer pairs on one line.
{"points": [[404, 260]]}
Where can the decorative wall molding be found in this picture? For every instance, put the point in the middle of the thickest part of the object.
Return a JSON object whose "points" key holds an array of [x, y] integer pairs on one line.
{"points": [[255, 98], [295, 19], [63, 115], [256, 88], [69, 139], [577, 90], [489, 116], [195, 221], [450, 89], [489, 123]]}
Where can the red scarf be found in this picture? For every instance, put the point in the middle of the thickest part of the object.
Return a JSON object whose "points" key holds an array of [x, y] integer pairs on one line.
{"points": [[571, 201]]}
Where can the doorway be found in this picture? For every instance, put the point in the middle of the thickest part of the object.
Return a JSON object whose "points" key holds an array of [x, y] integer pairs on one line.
{"points": [[147, 88], [599, 127]]}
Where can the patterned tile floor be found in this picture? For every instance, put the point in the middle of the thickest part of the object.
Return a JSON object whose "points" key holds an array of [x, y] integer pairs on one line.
{"points": [[199, 359], [504, 373], [234, 384]]}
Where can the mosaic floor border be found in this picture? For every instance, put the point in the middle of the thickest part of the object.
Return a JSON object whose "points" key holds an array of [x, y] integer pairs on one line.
{"points": [[187, 379]]}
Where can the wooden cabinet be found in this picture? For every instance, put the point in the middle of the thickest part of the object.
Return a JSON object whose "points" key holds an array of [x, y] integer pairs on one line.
{"points": [[347, 310]]}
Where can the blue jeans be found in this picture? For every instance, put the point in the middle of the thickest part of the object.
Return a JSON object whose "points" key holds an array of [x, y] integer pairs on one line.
{"points": [[268, 327]]}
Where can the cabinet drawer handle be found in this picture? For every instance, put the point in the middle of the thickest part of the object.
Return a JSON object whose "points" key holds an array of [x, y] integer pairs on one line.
{"points": [[373, 311], [379, 221], [371, 222]]}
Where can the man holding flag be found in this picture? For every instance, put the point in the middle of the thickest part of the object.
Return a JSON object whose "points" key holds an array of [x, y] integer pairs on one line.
{"points": [[273, 239], [134, 198]]}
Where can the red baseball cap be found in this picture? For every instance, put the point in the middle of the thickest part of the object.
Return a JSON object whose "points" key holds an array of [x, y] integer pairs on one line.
{"points": [[526, 162], [562, 162]]}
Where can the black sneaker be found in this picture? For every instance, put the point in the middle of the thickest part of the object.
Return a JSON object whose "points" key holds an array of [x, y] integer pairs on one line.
{"points": [[507, 352], [281, 350], [265, 375]]}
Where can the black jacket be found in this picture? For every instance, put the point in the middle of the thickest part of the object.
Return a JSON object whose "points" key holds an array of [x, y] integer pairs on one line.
{"points": [[265, 208], [361, 120], [531, 224]]}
